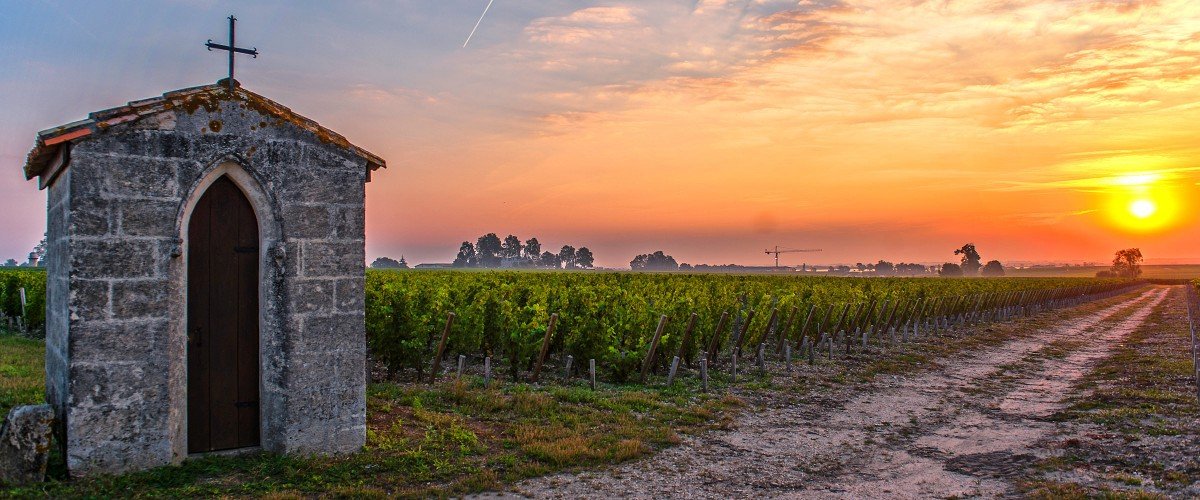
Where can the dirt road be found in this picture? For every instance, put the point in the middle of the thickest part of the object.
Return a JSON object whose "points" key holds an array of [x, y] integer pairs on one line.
{"points": [[966, 429]]}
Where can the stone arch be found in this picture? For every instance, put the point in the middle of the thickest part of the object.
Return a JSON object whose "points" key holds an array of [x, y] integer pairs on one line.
{"points": [[272, 302]]}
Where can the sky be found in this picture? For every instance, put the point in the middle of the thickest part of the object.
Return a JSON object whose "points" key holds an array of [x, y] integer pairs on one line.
{"points": [[711, 129]]}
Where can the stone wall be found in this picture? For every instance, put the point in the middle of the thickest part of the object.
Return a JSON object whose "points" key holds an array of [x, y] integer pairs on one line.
{"points": [[130, 194], [58, 270]]}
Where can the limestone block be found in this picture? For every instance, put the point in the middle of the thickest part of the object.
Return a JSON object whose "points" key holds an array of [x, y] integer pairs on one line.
{"points": [[351, 294], [128, 341], [89, 300], [306, 221], [313, 296], [25, 444], [89, 217], [144, 177], [335, 332], [333, 187], [332, 259], [146, 143], [146, 217], [140, 298], [348, 222], [114, 259]]}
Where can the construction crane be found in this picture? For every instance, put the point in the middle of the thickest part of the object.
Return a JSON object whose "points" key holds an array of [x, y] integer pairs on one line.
{"points": [[778, 251]]}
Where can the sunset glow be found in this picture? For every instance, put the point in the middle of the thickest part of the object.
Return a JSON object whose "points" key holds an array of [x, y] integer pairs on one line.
{"points": [[1147, 204], [1037, 129], [1142, 209]]}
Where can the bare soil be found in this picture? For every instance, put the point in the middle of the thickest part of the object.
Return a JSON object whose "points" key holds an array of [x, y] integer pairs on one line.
{"points": [[973, 427]]}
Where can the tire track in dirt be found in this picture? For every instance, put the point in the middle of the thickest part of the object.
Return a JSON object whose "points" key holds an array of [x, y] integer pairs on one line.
{"points": [[939, 433], [975, 439]]}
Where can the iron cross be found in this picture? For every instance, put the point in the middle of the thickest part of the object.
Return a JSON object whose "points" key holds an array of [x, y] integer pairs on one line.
{"points": [[232, 48]]}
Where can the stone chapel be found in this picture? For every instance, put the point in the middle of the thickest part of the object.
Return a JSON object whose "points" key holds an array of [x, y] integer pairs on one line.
{"points": [[205, 280]]}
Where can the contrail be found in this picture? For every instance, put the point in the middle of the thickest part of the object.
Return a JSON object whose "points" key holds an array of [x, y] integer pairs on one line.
{"points": [[485, 9]]}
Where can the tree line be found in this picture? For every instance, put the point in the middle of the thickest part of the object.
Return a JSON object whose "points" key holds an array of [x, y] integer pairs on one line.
{"points": [[490, 252]]}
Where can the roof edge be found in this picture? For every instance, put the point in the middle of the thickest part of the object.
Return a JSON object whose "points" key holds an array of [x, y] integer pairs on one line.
{"points": [[48, 142]]}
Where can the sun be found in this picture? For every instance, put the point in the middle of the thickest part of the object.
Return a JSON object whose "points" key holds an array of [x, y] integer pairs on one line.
{"points": [[1144, 204], [1142, 209]]}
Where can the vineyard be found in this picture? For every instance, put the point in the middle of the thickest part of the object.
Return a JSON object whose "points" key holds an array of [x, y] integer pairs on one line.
{"points": [[31, 316], [631, 322]]}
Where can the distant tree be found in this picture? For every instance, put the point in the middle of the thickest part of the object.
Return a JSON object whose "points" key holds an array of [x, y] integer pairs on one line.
{"points": [[511, 248], [970, 259], [992, 269], [685, 267], [10, 263], [487, 250], [1127, 263], [466, 255], [860, 266], [951, 270], [657, 261], [550, 260], [385, 263], [533, 249], [1107, 273], [566, 256], [584, 258], [885, 268]]}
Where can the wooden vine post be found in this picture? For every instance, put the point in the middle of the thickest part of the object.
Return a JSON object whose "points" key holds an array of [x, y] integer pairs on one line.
{"points": [[804, 328], [714, 344], [537, 368], [437, 360], [865, 314], [662, 324], [842, 322], [782, 336], [771, 327], [687, 337], [877, 328], [741, 338]]}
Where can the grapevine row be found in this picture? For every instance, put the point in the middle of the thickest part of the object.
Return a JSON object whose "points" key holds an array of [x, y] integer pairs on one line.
{"points": [[620, 319]]}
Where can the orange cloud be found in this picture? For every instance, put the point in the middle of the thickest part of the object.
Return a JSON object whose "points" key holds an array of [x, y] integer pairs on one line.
{"points": [[1005, 119]]}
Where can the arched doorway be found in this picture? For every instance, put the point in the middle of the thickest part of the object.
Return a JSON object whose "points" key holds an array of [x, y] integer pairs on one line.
{"points": [[222, 321]]}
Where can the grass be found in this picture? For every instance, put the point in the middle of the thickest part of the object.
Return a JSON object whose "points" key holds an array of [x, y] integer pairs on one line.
{"points": [[1133, 428], [422, 440], [1147, 378], [22, 372], [455, 438], [1055, 490]]}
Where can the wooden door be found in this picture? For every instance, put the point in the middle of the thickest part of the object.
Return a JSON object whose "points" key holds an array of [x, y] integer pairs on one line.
{"points": [[223, 410]]}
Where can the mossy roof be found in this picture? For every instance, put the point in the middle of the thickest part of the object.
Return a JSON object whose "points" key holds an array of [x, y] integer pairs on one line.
{"points": [[50, 141]]}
